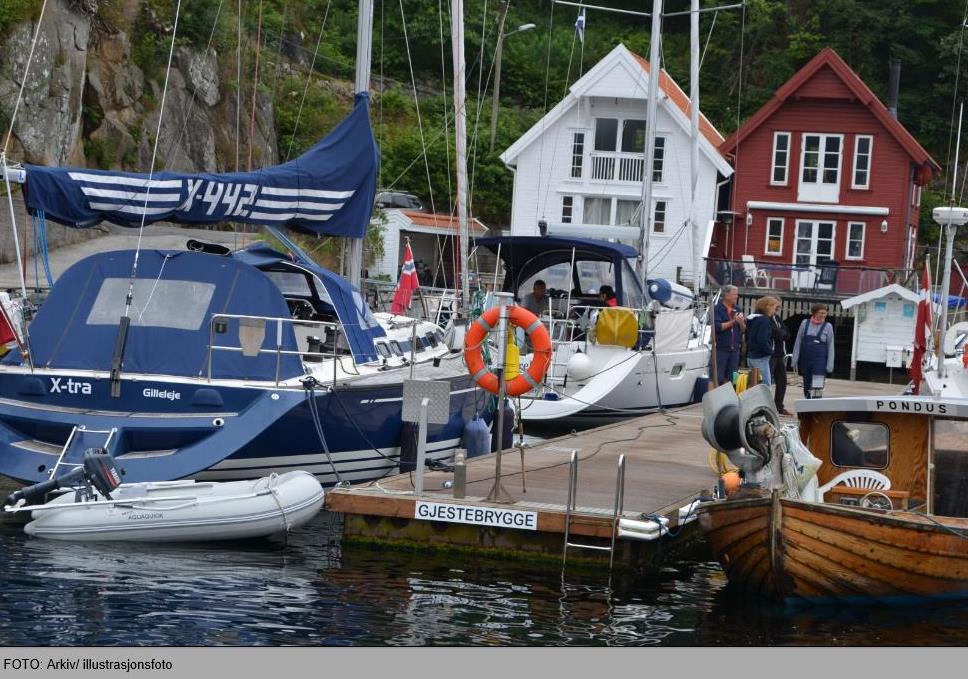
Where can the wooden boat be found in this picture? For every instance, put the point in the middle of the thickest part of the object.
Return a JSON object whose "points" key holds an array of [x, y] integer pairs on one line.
{"points": [[911, 544]]}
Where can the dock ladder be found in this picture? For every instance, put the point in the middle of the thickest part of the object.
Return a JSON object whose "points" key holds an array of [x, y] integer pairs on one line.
{"points": [[81, 439], [570, 509]]}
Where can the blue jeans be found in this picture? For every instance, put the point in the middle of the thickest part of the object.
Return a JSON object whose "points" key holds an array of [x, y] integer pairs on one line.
{"points": [[727, 363], [763, 364]]}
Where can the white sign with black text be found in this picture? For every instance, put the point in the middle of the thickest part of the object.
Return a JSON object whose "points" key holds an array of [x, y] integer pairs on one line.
{"points": [[476, 516]]}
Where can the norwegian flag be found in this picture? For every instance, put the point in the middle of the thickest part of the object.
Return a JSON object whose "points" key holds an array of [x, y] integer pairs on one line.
{"points": [[408, 283], [922, 329]]}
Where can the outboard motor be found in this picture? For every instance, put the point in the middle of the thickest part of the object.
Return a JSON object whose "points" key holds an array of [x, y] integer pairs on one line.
{"points": [[98, 470]]}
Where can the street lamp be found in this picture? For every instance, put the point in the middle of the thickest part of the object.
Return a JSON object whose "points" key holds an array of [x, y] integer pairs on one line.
{"points": [[497, 67]]}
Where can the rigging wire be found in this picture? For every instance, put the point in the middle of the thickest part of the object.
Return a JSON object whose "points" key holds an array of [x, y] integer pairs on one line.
{"points": [[191, 104], [312, 69], [739, 103]]}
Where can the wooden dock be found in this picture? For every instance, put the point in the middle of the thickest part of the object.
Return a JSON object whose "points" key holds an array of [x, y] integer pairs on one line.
{"points": [[668, 464]]}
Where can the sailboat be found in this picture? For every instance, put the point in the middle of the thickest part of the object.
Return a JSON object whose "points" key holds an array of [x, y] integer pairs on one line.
{"points": [[651, 350], [217, 364]]}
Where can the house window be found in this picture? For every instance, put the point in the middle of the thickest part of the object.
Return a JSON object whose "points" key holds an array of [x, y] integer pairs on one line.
{"points": [[598, 211], [917, 196], [781, 158], [774, 236], [863, 147], [855, 240], [658, 159], [577, 153], [626, 212], [659, 217], [606, 134], [567, 209], [821, 159], [633, 136]]}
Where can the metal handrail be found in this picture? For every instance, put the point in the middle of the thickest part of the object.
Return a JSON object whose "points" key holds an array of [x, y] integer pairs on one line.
{"points": [[278, 351], [570, 506]]}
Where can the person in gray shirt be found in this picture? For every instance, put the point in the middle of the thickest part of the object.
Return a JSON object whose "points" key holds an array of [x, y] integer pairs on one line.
{"points": [[536, 301], [813, 351]]}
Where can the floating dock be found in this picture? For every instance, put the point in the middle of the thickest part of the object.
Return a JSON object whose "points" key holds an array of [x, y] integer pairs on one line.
{"points": [[667, 466]]}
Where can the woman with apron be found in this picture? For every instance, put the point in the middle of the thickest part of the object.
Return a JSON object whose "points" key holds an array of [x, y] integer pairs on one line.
{"points": [[813, 351]]}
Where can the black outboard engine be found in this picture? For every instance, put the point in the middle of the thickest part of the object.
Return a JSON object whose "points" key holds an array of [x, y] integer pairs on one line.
{"points": [[98, 470]]}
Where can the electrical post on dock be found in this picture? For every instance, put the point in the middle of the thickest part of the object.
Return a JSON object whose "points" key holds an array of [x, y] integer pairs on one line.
{"points": [[424, 402], [504, 299]]}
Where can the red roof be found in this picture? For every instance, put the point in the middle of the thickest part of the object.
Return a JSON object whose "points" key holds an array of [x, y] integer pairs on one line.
{"points": [[440, 221], [828, 58], [679, 98]]}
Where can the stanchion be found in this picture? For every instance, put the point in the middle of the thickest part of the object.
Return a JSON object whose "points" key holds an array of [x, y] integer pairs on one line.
{"points": [[498, 493]]}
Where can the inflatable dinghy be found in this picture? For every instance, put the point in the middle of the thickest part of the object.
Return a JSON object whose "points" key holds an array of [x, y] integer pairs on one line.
{"points": [[176, 511]]}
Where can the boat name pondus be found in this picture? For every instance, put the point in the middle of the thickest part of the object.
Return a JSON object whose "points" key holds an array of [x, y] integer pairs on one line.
{"points": [[913, 407], [478, 516]]}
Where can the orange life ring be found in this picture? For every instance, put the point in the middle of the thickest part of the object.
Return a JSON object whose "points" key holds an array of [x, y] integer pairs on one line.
{"points": [[540, 340]]}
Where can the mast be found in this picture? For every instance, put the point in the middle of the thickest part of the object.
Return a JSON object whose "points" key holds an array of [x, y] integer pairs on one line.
{"points": [[460, 131], [364, 52], [645, 214], [697, 242]]}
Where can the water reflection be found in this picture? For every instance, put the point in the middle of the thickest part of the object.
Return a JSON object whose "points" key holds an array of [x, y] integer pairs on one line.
{"points": [[311, 591]]}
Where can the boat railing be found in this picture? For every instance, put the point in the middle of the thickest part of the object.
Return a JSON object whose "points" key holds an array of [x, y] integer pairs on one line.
{"points": [[218, 325]]}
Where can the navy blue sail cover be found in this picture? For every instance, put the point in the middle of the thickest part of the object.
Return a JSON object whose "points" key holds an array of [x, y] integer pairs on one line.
{"points": [[176, 294], [328, 190]]}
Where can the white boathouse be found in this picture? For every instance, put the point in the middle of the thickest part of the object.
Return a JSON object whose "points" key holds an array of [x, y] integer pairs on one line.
{"points": [[884, 321]]}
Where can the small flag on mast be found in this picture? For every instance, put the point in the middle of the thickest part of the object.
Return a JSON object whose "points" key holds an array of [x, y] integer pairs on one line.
{"points": [[580, 26], [408, 283]]}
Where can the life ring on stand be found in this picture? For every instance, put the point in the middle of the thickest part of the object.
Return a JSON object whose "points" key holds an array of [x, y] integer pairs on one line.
{"points": [[537, 334]]}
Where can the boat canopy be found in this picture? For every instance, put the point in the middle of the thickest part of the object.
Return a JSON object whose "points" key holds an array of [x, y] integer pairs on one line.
{"points": [[175, 295], [328, 190], [524, 256], [360, 327]]}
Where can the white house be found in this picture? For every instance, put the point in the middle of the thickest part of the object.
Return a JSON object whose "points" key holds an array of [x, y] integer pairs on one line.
{"points": [[582, 163], [433, 241], [884, 322]]}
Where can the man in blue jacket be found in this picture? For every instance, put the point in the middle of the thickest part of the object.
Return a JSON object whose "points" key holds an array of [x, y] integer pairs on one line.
{"points": [[730, 324]]}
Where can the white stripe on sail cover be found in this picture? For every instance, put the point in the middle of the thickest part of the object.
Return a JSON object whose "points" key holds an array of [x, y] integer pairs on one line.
{"points": [[128, 195], [126, 181], [275, 217], [305, 193]]}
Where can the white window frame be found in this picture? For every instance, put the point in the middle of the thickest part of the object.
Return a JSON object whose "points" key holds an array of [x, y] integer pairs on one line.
{"points": [[766, 244], [567, 205], [665, 215], [870, 158], [786, 165], [863, 240], [580, 165], [819, 190], [658, 159]]}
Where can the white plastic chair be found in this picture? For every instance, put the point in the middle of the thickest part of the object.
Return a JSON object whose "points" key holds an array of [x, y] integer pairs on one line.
{"points": [[867, 479], [751, 273]]}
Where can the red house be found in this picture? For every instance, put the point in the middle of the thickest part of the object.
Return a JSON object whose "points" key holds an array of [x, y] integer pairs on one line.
{"points": [[824, 173]]}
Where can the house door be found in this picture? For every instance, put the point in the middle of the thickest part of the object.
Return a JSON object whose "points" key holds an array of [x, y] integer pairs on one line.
{"points": [[820, 168], [815, 245]]}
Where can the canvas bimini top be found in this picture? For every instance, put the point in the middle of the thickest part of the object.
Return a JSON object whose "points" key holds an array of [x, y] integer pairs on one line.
{"points": [[176, 293]]}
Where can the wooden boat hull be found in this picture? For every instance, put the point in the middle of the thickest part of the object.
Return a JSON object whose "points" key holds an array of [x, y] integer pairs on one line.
{"points": [[795, 551]]}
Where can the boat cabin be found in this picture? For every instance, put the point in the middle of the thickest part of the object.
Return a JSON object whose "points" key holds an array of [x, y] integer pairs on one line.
{"points": [[919, 444], [573, 269]]}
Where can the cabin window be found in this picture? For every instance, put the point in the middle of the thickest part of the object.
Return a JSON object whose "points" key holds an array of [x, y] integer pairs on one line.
{"points": [[567, 209], [774, 236], [855, 240], [395, 347], [781, 158], [180, 305], [290, 283], [593, 275], [860, 444], [659, 217], [950, 443], [577, 153], [863, 147], [658, 159], [606, 134]]}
